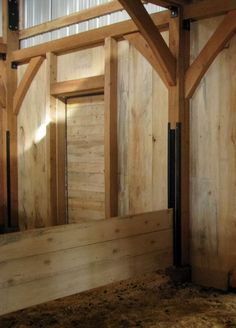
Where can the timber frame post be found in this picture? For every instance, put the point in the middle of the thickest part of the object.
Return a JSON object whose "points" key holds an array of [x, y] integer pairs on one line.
{"points": [[10, 193], [179, 38]]}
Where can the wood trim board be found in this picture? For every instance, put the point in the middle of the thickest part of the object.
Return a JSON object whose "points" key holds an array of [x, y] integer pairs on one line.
{"points": [[85, 86]]}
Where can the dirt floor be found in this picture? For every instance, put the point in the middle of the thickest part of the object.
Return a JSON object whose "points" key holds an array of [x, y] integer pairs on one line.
{"points": [[152, 302]]}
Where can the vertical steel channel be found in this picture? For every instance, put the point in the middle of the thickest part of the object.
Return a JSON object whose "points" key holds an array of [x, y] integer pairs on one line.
{"points": [[8, 173]]}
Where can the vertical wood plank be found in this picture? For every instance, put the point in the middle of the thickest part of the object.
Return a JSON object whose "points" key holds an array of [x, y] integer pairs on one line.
{"points": [[123, 125], [179, 112], [213, 164], [159, 140], [51, 160], [140, 134], [32, 123], [111, 148], [61, 162]]}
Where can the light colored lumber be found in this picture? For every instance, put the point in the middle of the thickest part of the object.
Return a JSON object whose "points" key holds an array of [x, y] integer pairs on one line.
{"points": [[52, 239], [138, 41], [73, 258], [61, 162], [52, 163], [85, 159], [216, 43], [75, 18], [207, 8], [83, 86], [213, 162], [85, 39], [33, 122], [110, 129], [153, 37], [25, 83]]}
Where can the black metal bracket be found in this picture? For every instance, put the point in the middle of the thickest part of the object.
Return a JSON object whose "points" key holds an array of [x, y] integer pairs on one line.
{"points": [[13, 15], [174, 11], [14, 65], [3, 56], [186, 24], [174, 187]]}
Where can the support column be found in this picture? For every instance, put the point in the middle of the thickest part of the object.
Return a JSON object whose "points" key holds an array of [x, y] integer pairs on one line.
{"points": [[10, 193], [51, 165], [179, 120]]}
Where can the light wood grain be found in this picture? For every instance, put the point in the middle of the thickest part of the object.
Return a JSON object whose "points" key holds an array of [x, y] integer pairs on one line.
{"points": [[73, 258], [215, 44], [80, 87], [213, 155], [142, 131], [152, 35], [32, 154], [85, 160], [25, 82]]}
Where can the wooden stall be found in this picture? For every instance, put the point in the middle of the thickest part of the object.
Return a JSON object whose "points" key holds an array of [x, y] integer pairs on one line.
{"points": [[133, 117]]}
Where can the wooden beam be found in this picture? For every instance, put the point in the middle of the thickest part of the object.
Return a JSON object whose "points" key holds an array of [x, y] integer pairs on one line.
{"points": [[51, 142], [138, 41], [25, 83], [86, 39], [168, 3], [85, 86], [218, 40], [78, 17], [2, 94], [110, 129], [3, 48], [78, 257], [153, 37], [208, 8]]}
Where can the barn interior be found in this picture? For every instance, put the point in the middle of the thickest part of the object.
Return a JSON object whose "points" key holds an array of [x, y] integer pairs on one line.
{"points": [[117, 163]]}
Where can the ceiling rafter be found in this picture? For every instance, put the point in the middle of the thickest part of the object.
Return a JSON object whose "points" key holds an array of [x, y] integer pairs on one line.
{"points": [[152, 35]]}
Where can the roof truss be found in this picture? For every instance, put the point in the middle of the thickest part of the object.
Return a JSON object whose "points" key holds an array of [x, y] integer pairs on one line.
{"points": [[153, 37]]}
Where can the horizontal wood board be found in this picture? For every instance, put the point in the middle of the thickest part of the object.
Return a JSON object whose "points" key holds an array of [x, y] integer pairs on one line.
{"points": [[41, 265]]}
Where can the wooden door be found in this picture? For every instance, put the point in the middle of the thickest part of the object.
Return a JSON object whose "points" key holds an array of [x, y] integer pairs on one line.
{"points": [[85, 159]]}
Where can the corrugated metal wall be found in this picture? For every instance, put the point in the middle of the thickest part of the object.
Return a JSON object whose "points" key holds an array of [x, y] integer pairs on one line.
{"points": [[37, 12]]}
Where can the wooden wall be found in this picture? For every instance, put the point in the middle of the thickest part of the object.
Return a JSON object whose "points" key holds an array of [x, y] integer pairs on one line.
{"points": [[32, 154], [142, 134], [42, 265], [213, 164], [85, 159]]}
